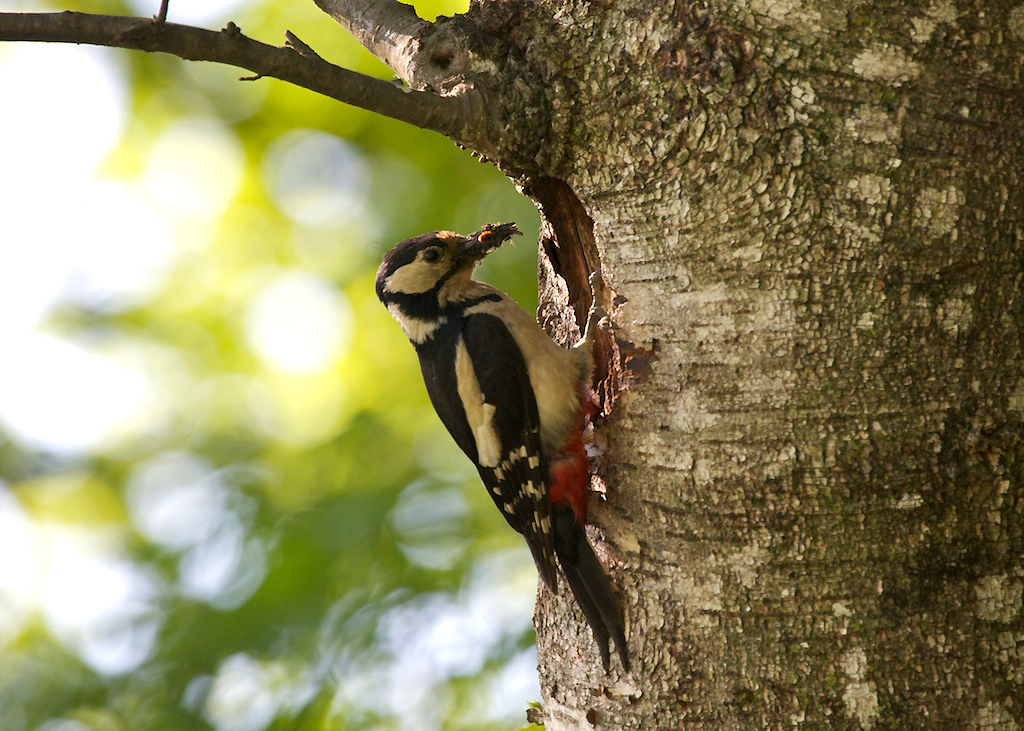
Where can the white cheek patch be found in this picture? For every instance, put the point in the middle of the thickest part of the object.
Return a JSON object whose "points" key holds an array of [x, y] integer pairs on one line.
{"points": [[417, 330], [479, 414], [414, 278]]}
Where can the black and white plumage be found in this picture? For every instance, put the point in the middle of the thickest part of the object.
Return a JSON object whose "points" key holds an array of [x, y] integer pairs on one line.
{"points": [[510, 397]]}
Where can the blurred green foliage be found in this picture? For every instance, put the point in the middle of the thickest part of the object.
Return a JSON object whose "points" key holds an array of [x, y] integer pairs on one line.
{"points": [[279, 534]]}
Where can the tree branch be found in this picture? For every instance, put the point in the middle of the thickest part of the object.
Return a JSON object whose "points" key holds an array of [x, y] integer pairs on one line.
{"points": [[389, 30], [424, 55], [460, 116]]}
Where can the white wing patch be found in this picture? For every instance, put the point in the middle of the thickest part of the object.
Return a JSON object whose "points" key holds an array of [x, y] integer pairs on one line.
{"points": [[487, 445], [520, 491], [479, 414], [530, 490]]}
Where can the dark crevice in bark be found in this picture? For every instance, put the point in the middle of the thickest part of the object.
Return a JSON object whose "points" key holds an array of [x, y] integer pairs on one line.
{"points": [[567, 239], [569, 252]]}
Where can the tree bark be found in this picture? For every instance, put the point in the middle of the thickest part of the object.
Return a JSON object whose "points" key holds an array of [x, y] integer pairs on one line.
{"points": [[811, 217], [808, 218]]}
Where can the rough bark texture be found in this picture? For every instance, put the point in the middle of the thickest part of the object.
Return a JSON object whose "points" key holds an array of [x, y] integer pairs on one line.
{"points": [[809, 218]]}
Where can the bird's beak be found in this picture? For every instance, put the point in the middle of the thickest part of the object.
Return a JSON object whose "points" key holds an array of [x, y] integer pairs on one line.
{"points": [[476, 246]]}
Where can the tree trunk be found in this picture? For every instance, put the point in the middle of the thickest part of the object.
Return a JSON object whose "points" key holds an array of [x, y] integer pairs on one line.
{"points": [[809, 220]]}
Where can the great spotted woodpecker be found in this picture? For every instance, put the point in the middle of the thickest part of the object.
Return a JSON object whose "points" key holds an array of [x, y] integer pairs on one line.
{"points": [[514, 401]]}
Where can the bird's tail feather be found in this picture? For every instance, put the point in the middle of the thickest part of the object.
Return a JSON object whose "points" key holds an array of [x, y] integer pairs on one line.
{"points": [[590, 585]]}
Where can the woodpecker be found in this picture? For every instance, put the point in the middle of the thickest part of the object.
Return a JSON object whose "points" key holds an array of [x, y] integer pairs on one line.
{"points": [[514, 401]]}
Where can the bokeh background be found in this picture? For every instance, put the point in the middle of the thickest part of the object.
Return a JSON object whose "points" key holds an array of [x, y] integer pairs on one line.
{"points": [[225, 502]]}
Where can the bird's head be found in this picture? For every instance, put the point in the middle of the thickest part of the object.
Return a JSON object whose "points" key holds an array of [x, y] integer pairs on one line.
{"points": [[427, 271]]}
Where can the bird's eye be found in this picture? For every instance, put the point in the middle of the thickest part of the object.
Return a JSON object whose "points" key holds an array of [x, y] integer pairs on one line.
{"points": [[432, 256]]}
